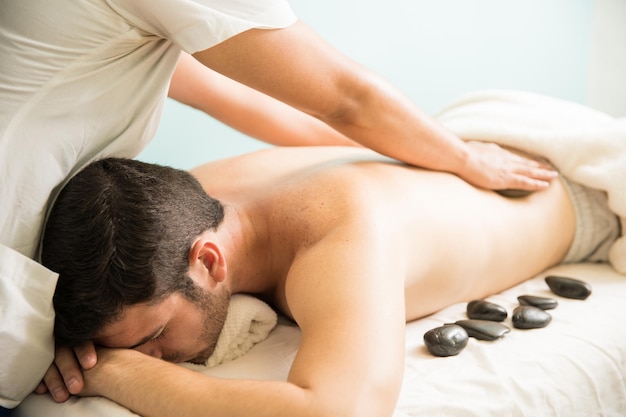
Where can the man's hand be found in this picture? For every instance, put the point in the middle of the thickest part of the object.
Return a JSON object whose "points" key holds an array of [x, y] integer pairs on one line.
{"points": [[65, 375], [492, 167]]}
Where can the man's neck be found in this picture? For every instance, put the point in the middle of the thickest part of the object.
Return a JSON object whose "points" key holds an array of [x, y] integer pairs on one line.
{"points": [[247, 243]]}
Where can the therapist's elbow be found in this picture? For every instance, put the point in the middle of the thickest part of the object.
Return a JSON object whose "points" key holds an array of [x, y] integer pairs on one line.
{"points": [[357, 101]]}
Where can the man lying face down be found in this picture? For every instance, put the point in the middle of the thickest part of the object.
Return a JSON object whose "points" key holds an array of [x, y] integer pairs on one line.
{"points": [[136, 223], [348, 244]]}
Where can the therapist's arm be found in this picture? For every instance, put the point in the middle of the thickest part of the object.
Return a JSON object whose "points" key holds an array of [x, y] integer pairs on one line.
{"points": [[297, 67], [247, 110]]}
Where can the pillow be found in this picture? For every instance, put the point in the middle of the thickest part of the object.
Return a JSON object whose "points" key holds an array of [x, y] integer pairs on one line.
{"points": [[26, 324]]}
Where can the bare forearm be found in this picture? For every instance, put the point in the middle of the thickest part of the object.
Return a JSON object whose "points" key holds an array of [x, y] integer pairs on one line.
{"points": [[154, 388], [297, 67], [247, 110], [387, 121], [313, 77]]}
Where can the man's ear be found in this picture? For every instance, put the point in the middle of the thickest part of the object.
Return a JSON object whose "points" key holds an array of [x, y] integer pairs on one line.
{"points": [[207, 265]]}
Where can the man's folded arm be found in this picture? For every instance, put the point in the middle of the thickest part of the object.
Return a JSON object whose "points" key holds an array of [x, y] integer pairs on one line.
{"points": [[349, 363]]}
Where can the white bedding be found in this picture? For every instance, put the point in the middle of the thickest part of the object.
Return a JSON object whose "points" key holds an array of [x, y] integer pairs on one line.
{"points": [[575, 367]]}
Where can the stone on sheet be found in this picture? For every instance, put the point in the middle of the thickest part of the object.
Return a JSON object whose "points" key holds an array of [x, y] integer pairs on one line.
{"points": [[530, 317], [568, 287], [485, 310], [446, 340], [483, 329], [544, 303]]}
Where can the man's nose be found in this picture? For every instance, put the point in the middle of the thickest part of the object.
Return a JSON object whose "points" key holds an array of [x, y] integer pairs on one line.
{"points": [[150, 349]]}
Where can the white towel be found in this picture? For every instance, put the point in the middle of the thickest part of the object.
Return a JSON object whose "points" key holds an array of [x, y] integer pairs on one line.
{"points": [[585, 145], [248, 322]]}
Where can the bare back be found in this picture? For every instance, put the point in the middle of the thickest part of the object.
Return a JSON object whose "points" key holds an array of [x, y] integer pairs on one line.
{"points": [[446, 238]]}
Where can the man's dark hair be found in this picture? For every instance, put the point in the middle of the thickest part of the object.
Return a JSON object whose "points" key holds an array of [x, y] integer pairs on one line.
{"points": [[119, 234]]}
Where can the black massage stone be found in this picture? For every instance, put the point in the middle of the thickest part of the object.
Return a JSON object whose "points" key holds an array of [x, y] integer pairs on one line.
{"points": [[514, 193], [544, 303], [483, 329], [446, 340], [530, 317], [568, 287], [485, 310]]}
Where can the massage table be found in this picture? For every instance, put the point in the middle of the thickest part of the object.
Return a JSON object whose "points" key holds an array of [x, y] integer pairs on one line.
{"points": [[574, 367]]}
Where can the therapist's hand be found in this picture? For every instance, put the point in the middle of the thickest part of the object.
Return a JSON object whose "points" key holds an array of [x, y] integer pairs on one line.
{"points": [[65, 375], [493, 167]]}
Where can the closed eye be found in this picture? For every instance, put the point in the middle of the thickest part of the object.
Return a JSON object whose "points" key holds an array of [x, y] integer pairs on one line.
{"points": [[161, 335]]}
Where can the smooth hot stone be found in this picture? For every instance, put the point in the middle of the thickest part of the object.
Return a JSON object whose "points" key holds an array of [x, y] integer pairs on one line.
{"points": [[446, 340], [513, 193], [568, 287], [544, 303], [483, 329], [530, 317], [485, 310]]}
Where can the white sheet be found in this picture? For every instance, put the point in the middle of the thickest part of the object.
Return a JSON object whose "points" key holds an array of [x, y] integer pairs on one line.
{"points": [[575, 367]]}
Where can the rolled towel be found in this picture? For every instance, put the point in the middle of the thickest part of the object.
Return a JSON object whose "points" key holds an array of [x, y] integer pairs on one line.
{"points": [[248, 322]]}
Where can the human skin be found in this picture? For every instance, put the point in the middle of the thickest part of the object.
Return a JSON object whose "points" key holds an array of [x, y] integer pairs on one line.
{"points": [[350, 246], [247, 110], [296, 66], [333, 94]]}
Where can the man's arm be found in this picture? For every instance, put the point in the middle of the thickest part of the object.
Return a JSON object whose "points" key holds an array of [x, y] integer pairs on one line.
{"points": [[350, 361], [297, 67], [64, 376], [247, 110]]}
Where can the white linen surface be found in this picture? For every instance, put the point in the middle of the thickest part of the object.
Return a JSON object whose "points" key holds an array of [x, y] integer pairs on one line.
{"points": [[26, 324], [575, 367], [587, 146]]}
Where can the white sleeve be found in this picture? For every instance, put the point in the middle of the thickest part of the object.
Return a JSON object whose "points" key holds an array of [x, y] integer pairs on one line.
{"points": [[195, 25]]}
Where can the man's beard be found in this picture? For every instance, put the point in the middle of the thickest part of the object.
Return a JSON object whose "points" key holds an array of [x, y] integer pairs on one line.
{"points": [[214, 308]]}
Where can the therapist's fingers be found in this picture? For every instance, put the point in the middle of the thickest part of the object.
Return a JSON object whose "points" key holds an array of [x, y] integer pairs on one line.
{"points": [[532, 165], [528, 170], [538, 173], [493, 167]]}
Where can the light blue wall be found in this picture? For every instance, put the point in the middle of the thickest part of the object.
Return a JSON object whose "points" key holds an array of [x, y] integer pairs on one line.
{"points": [[433, 50]]}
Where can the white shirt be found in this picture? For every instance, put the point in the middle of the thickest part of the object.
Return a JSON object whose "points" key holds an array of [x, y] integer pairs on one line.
{"points": [[81, 80]]}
